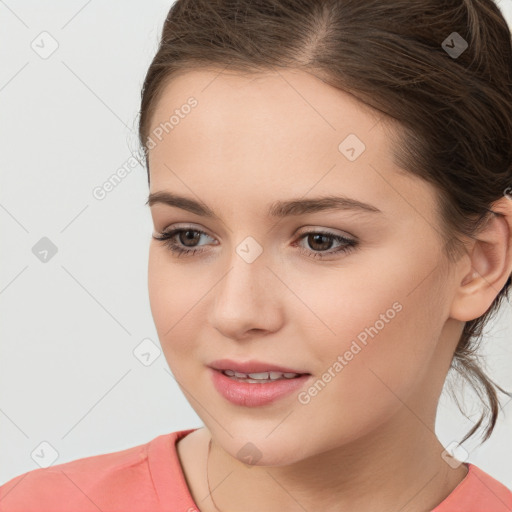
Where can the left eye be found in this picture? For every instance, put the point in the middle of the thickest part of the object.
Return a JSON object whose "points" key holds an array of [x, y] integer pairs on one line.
{"points": [[321, 238]]}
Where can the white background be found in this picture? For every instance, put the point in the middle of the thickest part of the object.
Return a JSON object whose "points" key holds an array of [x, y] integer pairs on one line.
{"points": [[68, 375]]}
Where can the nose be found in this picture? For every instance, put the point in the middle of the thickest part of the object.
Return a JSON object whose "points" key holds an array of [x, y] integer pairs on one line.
{"points": [[247, 299]]}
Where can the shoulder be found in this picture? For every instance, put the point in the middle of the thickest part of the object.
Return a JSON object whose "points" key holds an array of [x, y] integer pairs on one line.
{"points": [[478, 492], [119, 480]]}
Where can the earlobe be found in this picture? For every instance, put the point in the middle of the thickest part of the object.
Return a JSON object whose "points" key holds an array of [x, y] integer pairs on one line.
{"points": [[491, 265]]}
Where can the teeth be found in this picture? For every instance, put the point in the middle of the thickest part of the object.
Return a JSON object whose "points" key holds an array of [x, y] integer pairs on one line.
{"points": [[261, 376], [265, 375]]}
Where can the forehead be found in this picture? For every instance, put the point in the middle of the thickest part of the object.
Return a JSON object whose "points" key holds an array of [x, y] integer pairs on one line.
{"points": [[286, 132], [296, 101]]}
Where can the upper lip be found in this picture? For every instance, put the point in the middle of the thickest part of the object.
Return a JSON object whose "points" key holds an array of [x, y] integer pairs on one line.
{"points": [[251, 366]]}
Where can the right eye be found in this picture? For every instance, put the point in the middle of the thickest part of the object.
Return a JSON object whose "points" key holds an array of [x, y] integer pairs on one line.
{"points": [[168, 239]]}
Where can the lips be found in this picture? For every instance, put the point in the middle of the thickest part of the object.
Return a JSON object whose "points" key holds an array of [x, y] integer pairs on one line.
{"points": [[252, 366], [248, 393]]}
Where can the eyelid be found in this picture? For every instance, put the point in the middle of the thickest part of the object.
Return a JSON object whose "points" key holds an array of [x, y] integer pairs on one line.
{"points": [[322, 229], [183, 225]]}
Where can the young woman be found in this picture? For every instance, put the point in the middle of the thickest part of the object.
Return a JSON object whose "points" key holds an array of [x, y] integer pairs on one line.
{"points": [[330, 184]]}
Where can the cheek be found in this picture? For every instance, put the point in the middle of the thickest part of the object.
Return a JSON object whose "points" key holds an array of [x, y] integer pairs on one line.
{"points": [[375, 342], [171, 295], [162, 292], [178, 296]]}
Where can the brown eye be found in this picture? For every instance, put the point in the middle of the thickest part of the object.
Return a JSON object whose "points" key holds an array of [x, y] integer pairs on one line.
{"points": [[184, 242], [319, 241], [186, 238], [189, 236]]}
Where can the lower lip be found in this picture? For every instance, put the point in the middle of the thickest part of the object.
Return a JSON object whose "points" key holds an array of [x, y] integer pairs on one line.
{"points": [[251, 395]]}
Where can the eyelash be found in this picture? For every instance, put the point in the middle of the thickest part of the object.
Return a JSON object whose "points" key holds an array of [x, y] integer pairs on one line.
{"points": [[168, 240]]}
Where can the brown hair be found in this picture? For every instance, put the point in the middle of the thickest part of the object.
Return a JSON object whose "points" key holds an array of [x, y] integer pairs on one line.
{"points": [[453, 112]]}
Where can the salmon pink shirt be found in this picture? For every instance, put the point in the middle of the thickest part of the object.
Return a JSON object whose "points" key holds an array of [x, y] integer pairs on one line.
{"points": [[149, 478]]}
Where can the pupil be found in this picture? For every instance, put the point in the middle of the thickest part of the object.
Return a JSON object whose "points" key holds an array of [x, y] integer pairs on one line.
{"points": [[316, 236], [188, 237]]}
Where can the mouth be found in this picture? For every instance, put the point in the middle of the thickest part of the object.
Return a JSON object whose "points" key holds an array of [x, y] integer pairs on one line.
{"points": [[260, 377], [256, 389], [255, 370]]}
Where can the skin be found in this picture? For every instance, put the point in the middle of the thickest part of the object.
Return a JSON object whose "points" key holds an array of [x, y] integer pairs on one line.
{"points": [[367, 440]]}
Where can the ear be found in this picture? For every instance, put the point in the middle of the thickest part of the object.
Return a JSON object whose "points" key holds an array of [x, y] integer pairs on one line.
{"points": [[491, 265]]}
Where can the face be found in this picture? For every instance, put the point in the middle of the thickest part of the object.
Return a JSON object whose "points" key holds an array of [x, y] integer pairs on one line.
{"points": [[356, 297]]}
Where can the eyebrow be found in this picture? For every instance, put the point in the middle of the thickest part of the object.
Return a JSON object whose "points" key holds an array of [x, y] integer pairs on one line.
{"points": [[278, 209]]}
